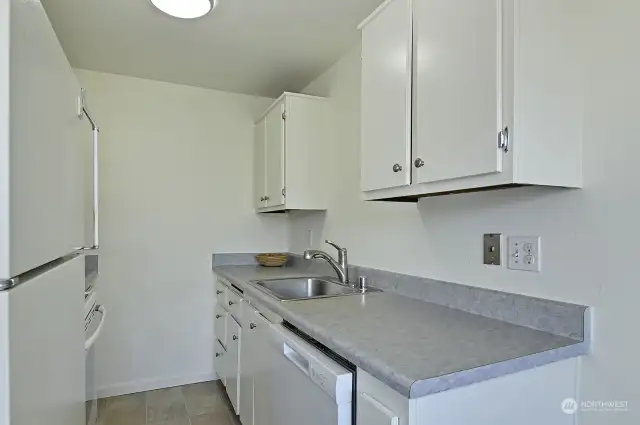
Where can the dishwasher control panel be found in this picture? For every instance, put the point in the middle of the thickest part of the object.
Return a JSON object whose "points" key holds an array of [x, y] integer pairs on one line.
{"points": [[319, 378]]}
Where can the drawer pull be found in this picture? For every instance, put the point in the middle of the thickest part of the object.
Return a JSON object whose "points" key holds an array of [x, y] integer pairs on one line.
{"points": [[252, 326], [235, 337]]}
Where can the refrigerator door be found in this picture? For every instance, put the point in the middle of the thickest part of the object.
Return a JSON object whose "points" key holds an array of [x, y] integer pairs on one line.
{"points": [[41, 155], [41, 320]]}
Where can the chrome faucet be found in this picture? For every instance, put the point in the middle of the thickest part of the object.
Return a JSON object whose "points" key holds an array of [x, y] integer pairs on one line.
{"points": [[341, 266]]}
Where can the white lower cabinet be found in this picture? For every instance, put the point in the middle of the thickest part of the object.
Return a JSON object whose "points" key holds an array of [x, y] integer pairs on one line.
{"points": [[529, 397], [228, 333], [219, 365], [248, 354], [220, 324], [234, 332], [378, 404], [372, 412], [254, 404]]}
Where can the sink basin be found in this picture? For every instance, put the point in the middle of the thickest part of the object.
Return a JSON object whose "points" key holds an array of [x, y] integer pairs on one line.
{"points": [[304, 288]]}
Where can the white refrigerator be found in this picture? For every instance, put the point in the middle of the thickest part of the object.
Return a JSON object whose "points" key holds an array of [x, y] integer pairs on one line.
{"points": [[43, 141]]}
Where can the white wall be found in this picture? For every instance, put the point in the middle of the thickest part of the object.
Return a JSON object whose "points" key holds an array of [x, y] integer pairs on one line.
{"points": [[590, 237], [176, 186]]}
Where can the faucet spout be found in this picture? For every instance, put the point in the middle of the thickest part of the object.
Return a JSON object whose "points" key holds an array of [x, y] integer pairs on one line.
{"points": [[341, 267]]}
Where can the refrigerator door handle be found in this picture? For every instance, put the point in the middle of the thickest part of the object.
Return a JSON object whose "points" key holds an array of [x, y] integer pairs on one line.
{"points": [[84, 112], [96, 187]]}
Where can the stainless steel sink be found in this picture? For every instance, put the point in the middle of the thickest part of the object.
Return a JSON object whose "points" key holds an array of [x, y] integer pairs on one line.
{"points": [[304, 288]]}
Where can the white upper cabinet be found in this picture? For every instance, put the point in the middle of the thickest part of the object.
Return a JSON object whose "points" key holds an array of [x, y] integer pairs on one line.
{"points": [[386, 97], [457, 94], [290, 155], [41, 136], [275, 122], [259, 164], [495, 96]]}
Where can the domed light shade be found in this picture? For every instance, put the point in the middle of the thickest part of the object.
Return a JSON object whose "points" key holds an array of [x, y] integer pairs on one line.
{"points": [[185, 9]]}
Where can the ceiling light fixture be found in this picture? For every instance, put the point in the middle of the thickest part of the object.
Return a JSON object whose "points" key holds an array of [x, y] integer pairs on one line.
{"points": [[185, 9]]}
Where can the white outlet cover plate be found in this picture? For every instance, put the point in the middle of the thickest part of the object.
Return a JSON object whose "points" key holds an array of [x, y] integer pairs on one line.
{"points": [[524, 253]]}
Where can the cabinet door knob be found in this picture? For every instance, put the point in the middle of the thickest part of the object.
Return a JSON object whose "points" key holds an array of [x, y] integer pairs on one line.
{"points": [[419, 162], [230, 303], [218, 354], [266, 198], [218, 292], [235, 337], [218, 316], [397, 168], [252, 326]]}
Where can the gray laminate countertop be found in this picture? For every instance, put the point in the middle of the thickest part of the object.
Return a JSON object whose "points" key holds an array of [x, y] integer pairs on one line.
{"points": [[415, 347]]}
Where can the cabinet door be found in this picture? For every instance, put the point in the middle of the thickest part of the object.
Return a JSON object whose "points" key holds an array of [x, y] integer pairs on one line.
{"points": [[373, 412], [386, 98], [233, 362], [261, 363], [220, 324], [219, 362], [248, 355], [275, 155], [259, 164], [41, 157], [457, 88]]}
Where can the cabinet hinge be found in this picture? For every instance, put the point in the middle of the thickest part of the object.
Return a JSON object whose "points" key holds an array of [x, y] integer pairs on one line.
{"points": [[284, 115], [284, 191], [503, 139]]}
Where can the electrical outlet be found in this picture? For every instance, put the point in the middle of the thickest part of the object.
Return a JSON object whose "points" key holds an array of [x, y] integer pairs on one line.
{"points": [[524, 253]]}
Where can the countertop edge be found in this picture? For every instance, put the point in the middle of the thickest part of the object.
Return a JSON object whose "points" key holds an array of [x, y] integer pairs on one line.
{"points": [[467, 377]]}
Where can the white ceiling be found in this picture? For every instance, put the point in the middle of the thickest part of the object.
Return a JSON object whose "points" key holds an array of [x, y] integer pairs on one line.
{"points": [[259, 47]]}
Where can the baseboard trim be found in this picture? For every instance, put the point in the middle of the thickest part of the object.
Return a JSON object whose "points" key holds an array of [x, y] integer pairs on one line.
{"points": [[122, 388]]}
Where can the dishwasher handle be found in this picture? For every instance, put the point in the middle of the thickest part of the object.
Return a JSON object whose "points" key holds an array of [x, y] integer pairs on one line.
{"points": [[296, 358]]}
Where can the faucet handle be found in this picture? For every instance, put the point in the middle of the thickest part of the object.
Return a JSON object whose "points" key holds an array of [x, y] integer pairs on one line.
{"points": [[336, 246]]}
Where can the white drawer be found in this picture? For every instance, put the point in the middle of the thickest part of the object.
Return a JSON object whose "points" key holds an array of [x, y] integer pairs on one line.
{"points": [[234, 304], [221, 292]]}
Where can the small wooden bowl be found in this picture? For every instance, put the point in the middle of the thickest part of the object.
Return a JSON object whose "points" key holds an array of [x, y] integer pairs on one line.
{"points": [[272, 260]]}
